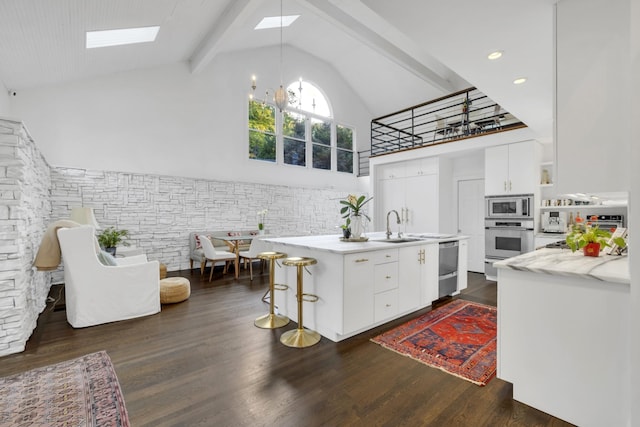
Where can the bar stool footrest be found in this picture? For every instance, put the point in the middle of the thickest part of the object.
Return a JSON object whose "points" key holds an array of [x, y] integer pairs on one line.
{"points": [[310, 297], [279, 287]]}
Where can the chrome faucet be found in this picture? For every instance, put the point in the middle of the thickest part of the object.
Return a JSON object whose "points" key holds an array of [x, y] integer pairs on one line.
{"points": [[397, 220]]}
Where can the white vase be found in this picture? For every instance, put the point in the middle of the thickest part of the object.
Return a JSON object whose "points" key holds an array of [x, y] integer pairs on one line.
{"points": [[261, 232], [357, 226]]}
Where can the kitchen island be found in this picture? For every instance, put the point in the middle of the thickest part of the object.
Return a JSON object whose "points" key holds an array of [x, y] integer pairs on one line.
{"points": [[361, 285], [563, 325]]}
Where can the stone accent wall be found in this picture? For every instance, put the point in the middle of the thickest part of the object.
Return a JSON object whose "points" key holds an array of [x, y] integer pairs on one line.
{"points": [[24, 216], [160, 211]]}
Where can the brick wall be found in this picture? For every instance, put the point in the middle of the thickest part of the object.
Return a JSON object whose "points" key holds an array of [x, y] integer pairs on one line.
{"points": [[24, 216], [160, 211]]}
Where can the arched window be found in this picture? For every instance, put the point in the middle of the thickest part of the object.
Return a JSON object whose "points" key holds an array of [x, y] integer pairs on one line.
{"points": [[305, 133]]}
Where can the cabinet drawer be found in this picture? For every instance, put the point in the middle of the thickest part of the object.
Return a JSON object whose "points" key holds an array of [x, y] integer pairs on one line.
{"points": [[385, 277], [379, 257], [386, 305]]}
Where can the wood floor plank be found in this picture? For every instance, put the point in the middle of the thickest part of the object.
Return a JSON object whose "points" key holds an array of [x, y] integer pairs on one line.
{"points": [[202, 362]]}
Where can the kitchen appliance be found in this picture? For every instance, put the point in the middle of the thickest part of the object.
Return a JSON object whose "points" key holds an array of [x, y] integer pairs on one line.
{"points": [[505, 238], [520, 206], [554, 222], [606, 222], [448, 268]]}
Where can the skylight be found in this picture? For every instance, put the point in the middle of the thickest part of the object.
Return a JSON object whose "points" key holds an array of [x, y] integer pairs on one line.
{"points": [[119, 37], [274, 22]]}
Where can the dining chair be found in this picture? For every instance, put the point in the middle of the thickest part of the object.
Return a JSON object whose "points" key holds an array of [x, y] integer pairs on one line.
{"points": [[441, 128], [257, 246], [211, 254]]}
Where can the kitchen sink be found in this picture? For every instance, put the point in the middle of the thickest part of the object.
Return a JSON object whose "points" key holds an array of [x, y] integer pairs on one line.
{"points": [[397, 240]]}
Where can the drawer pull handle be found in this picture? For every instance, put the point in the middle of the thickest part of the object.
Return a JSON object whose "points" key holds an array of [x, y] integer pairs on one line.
{"points": [[388, 256], [387, 305], [388, 277], [362, 260]]}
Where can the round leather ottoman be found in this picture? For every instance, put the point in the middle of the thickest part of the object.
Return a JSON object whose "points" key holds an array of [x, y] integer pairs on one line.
{"points": [[174, 289]]}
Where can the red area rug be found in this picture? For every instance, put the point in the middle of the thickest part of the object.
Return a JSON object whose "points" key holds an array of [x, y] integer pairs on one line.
{"points": [[459, 338], [79, 392]]}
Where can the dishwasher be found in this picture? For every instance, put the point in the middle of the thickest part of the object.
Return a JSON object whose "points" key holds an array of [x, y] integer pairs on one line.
{"points": [[448, 268]]}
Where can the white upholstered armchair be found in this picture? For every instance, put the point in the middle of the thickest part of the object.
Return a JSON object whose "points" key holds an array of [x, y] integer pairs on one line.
{"points": [[97, 293]]}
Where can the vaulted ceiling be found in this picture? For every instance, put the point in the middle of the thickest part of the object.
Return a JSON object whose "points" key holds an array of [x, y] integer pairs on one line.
{"points": [[393, 53]]}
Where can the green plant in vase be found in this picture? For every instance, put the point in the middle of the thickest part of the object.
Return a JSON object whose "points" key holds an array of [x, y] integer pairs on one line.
{"points": [[110, 238], [353, 209]]}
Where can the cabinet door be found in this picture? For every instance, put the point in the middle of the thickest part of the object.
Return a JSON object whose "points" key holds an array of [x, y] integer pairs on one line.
{"points": [[429, 291], [496, 167], [523, 168], [410, 278], [463, 249], [421, 201], [389, 195], [358, 292]]}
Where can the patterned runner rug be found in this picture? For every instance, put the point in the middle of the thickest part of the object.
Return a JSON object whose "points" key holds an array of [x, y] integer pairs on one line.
{"points": [[458, 338], [79, 392]]}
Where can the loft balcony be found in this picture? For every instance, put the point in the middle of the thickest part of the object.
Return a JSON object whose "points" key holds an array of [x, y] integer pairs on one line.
{"points": [[465, 114]]}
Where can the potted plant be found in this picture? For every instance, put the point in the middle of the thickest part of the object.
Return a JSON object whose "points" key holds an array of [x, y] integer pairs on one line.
{"points": [[589, 238], [346, 229], [353, 209], [110, 238], [261, 215]]}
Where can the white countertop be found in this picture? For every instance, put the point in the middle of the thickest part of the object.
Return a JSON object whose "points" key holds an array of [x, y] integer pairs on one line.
{"points": [[563, 262], [332, 242]]}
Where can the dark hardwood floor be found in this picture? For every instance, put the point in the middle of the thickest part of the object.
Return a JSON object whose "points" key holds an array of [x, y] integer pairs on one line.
{"points": [[202, 362]]}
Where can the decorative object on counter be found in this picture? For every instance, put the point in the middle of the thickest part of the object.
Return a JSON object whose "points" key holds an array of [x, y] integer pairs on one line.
{"points": [[352, 209], [261, 215], [545, 177], [458, 338], [110, 238], [82, 391], [354, 239], [346, 229], [589, 237]]}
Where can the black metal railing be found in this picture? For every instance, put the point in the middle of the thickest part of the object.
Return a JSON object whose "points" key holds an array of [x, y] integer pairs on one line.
{"points": [[464, 114], [363, 162]]}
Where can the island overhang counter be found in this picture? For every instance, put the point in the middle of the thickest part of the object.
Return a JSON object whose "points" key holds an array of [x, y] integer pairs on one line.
{"points": [[361, 285], [563, 334]]}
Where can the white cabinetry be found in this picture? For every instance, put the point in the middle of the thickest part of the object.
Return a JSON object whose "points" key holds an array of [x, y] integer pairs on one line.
{"points": [[594, 119], [415, 190], [370, 288], [512, 168], [418, 276]]}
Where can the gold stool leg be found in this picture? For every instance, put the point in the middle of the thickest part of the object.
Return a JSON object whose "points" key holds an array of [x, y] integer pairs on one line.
{"points": [[271, 320], [300, 337]]}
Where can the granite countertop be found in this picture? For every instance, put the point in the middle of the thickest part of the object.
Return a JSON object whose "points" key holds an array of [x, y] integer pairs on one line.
{"points": [[563, 262], [333, 243]]}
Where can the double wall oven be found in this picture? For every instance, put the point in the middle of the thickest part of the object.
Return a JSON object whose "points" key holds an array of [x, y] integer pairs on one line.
{"points": [[508, 229]]}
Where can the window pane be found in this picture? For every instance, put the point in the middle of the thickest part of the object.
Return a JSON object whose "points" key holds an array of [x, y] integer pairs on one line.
{"points": [[294, 152], [321, 157], [345, 161], [294, 125], [262, 117], [344, 135], [262, 146], [321, 132]]}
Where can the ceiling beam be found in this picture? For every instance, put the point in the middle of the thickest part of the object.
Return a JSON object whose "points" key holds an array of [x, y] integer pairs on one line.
{"points": [[210, 45], [360, 22]]}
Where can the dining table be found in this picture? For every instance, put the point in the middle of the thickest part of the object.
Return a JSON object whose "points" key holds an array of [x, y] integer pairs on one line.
{"points": [[235, 240]]}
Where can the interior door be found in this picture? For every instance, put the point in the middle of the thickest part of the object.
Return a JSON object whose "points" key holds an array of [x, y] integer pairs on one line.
{"points": [[471, 220]]}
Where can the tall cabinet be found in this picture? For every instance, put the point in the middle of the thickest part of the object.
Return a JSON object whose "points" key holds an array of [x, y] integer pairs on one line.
{"points": [[419, 190]]}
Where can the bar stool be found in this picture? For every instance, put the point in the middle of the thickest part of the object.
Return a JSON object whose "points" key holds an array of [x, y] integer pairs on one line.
{"points": [[272, 320], [300, 337]]}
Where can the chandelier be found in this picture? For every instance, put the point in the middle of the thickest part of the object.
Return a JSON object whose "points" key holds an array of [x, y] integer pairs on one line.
{"points": [[280, 95]]}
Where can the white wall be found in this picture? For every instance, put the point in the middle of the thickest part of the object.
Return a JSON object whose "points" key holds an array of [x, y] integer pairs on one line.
{"points": [[4, 100], [167, 121]]}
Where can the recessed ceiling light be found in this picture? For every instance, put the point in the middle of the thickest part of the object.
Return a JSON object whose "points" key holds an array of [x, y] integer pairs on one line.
{"points": [[274, 22], [519, 80], [494, 55], [122, 36]]}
